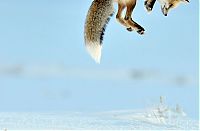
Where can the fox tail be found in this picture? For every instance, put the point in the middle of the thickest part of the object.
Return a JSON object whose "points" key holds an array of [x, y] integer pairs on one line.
{"points": [[97, 18]]}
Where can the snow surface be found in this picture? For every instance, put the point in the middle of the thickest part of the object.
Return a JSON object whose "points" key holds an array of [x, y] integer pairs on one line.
{"points": [[150, 118]]}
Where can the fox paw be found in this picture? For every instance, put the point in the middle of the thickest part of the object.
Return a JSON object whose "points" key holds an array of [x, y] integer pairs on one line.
{"points": [[140, 31], [129, 29], [148, 6]]}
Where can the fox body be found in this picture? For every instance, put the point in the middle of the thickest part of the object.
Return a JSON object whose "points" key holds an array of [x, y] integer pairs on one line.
{"points": [[99, 14]]}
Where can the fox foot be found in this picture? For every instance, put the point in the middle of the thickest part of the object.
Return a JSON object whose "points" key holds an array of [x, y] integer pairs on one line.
{"points": [[129, 29], [139, 30], [134, 26], [149, 5]]}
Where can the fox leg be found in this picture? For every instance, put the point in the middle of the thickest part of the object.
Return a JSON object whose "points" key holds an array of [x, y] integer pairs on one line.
{"points": [[119, 17], [149, 4], [132, 25]]}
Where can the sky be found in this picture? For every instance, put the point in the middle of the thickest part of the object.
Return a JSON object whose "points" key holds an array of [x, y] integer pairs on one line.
{"points": [[44, 65]]}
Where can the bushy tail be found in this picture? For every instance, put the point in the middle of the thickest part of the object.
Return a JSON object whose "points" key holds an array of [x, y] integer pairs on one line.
{"points": [[97, 18]]}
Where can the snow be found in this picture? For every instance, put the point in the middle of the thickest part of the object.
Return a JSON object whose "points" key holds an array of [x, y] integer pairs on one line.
{"points": [[158, 117], [124, 119]]}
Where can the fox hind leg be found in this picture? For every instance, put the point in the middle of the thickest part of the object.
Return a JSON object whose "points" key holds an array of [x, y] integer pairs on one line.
{"points": [[149, 4], [119, 17], [132, 24]]}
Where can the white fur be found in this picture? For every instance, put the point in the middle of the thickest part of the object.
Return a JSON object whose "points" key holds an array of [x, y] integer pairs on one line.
{"points": [[166, 2], [163, 2], [94, 49]]}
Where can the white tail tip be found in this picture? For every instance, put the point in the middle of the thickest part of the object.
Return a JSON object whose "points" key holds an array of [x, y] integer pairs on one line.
{"points": [[94, 50]]}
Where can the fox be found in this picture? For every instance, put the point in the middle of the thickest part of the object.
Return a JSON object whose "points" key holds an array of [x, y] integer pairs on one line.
{"points": [[99, 15], [166, 5], [97, 18]]}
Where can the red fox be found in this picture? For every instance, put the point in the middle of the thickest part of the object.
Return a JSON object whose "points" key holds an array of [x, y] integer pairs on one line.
{"points": [[99, 15], [97, 18]]}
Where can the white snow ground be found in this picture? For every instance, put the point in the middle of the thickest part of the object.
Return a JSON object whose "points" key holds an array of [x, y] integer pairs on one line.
{"points": [[151, 118]]}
